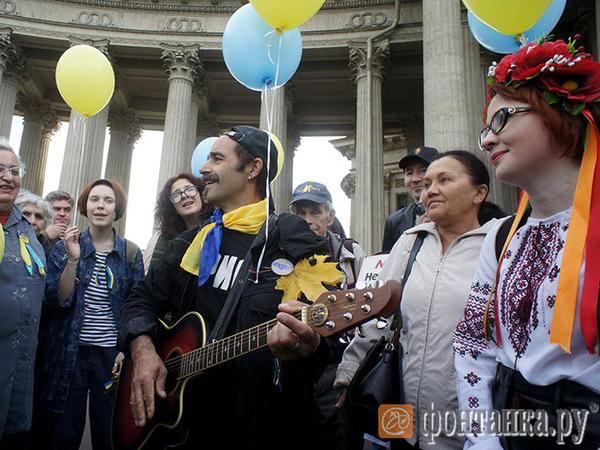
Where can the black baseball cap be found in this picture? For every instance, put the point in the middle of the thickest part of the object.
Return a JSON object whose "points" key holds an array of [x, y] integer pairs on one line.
{"points": [[312, 192], [419, 154], [256, 142]]}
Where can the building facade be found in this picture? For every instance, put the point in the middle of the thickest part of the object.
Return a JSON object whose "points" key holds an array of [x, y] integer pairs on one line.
{"points": [[386, 74]]}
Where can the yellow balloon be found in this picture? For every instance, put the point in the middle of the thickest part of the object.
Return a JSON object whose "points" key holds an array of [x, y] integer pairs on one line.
{"points": [[280, 154], [283, 15], [510, 17], [85, 79], [1, 243]]}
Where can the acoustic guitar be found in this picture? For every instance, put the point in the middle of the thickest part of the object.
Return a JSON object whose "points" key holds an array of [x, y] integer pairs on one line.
{"points": [[185, 353]]}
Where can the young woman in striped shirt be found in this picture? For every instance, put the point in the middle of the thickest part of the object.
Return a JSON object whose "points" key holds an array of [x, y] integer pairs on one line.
{"points": [[89, 278]]}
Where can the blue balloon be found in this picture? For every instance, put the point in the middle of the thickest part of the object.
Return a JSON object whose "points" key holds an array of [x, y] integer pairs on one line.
{"points": [[200, 155], [502, 43], [251, 49]]}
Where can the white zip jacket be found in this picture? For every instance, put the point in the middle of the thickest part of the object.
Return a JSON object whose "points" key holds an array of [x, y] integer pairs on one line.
{"points": [[433, 302]]}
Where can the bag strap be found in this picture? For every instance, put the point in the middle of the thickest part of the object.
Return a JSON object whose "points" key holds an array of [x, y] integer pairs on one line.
{"points": [[131, 250], [504, 229], [397, 321]]}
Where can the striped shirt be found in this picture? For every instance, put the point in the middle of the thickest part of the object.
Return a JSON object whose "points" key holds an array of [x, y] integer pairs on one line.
{"points": [[99, 326]]}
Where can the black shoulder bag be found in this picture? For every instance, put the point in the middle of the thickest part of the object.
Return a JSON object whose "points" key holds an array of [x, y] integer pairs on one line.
{"points": [[378, 379]]}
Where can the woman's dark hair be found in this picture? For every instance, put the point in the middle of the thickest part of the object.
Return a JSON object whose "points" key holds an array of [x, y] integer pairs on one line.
{"points": [[478, 174], [166, 218], [120, 197]]}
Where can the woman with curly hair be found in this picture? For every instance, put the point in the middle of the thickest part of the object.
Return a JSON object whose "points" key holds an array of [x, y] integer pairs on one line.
{"points": [[528, 340], [179, 208]]}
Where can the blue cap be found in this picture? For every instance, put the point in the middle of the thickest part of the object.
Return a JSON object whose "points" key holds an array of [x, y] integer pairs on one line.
{"points": [[312, 192]]}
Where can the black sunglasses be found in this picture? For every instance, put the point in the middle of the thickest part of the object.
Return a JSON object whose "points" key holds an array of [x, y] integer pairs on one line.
{"points": [[499, 121]]}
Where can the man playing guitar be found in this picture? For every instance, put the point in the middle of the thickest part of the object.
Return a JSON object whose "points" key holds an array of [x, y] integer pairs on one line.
{"points": [[262, 400]]}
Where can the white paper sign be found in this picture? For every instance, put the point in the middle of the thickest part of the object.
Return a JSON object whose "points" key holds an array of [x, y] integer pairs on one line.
{"points": [[369, 271]]}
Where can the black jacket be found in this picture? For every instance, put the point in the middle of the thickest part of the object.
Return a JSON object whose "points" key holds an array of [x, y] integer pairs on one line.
{"points": [[241, 407], [396, 224]]}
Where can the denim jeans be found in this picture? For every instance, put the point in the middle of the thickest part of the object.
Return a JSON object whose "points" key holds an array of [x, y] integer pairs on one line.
{"points": [[92, 369]]}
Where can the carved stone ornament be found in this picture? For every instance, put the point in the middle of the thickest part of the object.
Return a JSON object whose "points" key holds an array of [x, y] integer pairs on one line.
{"points": [[8, 8], [379, 58], [348, 185], [183, 25], [94, 19], [39, 110], [181, 61], [125, 120], [368, 20], [8, 52], [210, 6]]}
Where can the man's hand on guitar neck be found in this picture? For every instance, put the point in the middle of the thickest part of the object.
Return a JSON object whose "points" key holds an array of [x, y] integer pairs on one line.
{"points": [[292, 339], [149, 375]]}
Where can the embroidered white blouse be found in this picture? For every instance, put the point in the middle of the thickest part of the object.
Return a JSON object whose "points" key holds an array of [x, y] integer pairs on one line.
{"points": [[526, 297]]}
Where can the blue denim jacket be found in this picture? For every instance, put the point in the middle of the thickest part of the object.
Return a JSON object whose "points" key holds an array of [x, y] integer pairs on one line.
{"points": [[21, 296], [63, 335]]}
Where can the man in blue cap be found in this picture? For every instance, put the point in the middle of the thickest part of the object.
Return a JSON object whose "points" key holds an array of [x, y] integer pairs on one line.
{"points": [[414, 165], [312, 201]]}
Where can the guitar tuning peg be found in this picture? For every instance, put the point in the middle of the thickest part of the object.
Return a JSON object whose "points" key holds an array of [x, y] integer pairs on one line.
{"points": [[381, 323], [360, 331]]}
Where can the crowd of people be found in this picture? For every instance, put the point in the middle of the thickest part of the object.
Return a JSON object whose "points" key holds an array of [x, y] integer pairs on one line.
{"points": [[499, 310]]}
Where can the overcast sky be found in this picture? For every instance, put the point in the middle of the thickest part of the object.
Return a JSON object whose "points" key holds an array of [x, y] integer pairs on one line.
{"points": [[316, 160]]}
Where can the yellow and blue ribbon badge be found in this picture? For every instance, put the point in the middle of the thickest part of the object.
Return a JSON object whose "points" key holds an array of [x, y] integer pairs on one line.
{"points": [[28, 253]]}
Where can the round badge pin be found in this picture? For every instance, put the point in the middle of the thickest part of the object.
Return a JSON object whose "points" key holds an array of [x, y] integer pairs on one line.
{"points": [[282, 266]]}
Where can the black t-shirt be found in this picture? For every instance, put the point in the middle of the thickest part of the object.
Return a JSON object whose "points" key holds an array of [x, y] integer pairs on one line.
{"points": [[234, 247]]}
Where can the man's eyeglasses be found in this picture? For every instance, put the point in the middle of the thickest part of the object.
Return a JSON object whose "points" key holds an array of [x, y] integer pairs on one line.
{"points": [[499, 120], [16, 172], [188, 192]]}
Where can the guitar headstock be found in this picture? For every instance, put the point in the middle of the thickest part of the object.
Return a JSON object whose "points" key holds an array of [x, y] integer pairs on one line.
{"points": [[337, 311]]}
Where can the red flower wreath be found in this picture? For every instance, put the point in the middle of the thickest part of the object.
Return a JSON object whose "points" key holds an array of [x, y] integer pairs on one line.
{"points": [[566, 75]]}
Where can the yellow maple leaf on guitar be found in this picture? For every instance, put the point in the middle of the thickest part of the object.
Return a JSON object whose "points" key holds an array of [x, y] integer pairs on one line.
{"points": [[308, 278]]}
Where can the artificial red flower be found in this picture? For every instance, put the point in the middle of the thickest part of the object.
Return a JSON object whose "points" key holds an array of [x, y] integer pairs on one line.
{"points": [[531, 58], [580, 82]]}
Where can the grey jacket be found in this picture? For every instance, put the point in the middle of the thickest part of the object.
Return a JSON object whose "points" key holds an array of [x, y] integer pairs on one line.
{"points": [[21, 296], [433, 301]]}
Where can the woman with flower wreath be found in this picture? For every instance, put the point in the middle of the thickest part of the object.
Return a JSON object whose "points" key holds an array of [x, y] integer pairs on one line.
{"points": [[529, 335]]}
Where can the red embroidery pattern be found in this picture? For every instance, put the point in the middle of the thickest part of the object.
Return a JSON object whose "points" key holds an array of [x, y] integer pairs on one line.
{"points": [[533, 262]]}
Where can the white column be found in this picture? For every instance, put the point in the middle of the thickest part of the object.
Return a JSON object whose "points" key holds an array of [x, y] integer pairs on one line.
{"points": [[182, 64], [277, 103], [124, 130], [445, 100], [193, 130], [39, 125], [369, 211], [12, 80], [502, 194], [84, 149], [7, 49]]}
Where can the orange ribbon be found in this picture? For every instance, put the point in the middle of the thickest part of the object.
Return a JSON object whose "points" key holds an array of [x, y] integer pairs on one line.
{"points": [[561, 328]]}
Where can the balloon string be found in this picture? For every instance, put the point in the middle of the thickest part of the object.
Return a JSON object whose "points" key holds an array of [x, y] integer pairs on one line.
{"points": [[268, 38], [269, 109], [84, 122]]}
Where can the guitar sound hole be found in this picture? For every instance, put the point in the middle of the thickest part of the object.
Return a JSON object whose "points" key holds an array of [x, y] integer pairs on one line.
{"points": [[172, 363]]}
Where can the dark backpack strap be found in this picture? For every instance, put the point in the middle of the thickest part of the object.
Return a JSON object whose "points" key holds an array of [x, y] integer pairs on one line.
{"points": [[421, 235], [502, 234], [131, 250]]}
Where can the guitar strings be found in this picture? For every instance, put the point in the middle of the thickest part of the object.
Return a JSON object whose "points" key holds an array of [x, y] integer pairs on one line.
{"points": [[204, 353]]}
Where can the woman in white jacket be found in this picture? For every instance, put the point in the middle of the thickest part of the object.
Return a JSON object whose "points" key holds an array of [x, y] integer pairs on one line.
{"points": [[434, 297]]}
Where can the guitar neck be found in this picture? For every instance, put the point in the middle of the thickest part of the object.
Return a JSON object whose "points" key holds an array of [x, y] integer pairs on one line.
{"points": [[215, 353]]}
